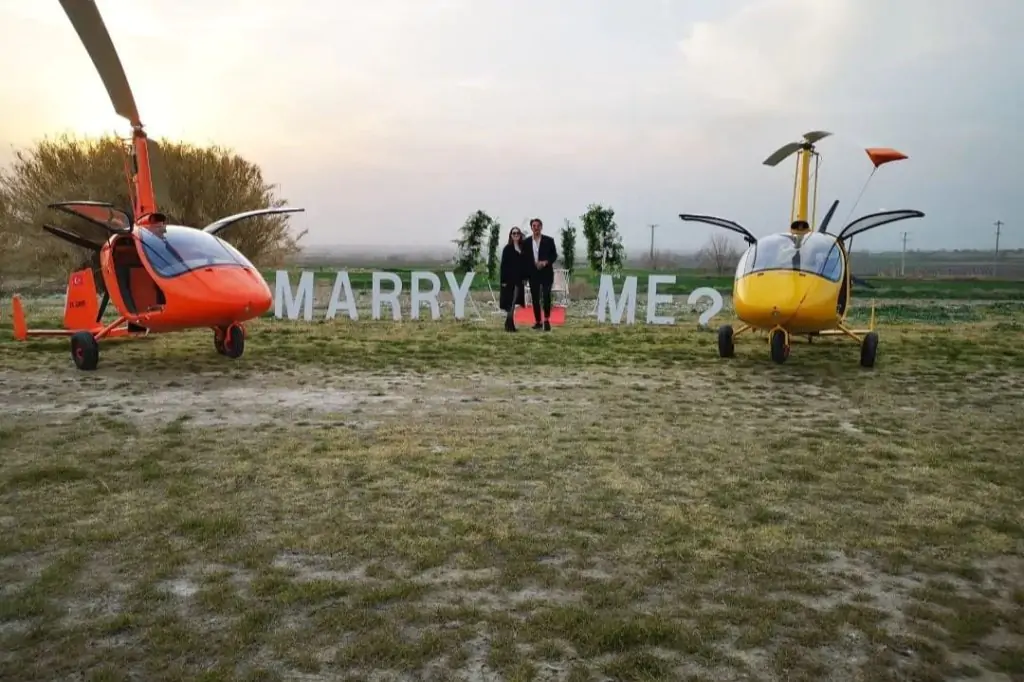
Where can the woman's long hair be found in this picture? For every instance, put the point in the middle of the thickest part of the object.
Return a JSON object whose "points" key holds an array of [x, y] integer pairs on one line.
{"points": [[514, 229]]}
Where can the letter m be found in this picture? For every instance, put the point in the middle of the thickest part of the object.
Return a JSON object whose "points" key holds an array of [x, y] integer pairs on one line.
{"points": [[609, 307], [284, 299]]}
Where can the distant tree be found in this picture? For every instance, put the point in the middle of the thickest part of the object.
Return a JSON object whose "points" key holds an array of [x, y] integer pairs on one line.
{"points": [[569, 245], [720, 254], [204, 183], [492, 250], [471, 241], [604, 245]]}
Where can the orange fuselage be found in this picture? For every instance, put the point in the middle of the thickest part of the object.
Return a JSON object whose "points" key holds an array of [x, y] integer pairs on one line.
{"points": [[204, 296]]}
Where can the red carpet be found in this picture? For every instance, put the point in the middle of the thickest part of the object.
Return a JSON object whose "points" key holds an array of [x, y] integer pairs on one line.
{"points": [[524, 316]]}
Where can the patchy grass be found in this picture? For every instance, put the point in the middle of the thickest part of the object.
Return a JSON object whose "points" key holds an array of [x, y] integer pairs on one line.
{"points": [[446, 501]]}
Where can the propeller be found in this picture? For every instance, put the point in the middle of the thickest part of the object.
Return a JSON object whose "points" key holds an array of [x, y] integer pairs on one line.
{"points": [[857, 281], [92, 31], [786, 150]]}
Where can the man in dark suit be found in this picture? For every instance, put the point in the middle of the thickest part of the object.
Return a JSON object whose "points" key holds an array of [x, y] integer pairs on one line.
{"points": [[541, 254]]}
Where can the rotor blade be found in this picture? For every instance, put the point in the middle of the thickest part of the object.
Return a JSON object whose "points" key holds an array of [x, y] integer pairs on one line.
{"points": [[782, 152], [158, 174], [828, 216], [217, 226], [816, 135], [88, 23]]}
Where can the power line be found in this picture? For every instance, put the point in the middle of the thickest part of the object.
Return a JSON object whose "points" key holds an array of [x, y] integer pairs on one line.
{"points": [[652, 226], [903, 256], [995, 262]]}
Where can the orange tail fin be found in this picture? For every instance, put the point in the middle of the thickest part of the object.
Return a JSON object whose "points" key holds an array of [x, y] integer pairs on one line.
{"points": [[18, 315], [81, 307]]}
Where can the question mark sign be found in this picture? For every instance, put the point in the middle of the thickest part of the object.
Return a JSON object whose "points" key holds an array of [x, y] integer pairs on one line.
{"points": [[714, 309]]}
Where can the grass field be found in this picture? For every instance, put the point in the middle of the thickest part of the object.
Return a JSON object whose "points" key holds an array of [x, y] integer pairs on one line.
{"points": [[445, 501]]}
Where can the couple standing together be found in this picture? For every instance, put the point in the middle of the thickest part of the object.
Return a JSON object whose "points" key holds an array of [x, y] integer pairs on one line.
{"points": [[530, 259]]}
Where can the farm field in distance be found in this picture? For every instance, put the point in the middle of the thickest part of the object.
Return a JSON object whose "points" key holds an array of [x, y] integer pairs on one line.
{"points": [[443, 500]]}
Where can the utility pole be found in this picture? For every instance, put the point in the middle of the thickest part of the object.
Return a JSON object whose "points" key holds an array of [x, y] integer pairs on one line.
{"points": [[653, 264], [995, 263], [903, 256]]}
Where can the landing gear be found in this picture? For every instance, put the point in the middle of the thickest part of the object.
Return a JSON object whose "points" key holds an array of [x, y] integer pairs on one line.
{"points": [[726, 349], [229, 341], [778, 340], [85, 351], [868, 348]]}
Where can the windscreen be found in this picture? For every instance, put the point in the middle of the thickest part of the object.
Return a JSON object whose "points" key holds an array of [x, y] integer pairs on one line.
{"points": [[174, 250], [814, 253]]}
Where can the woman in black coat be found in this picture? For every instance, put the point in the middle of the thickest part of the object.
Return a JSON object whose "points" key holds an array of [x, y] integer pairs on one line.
{"points": [[513, 275]]}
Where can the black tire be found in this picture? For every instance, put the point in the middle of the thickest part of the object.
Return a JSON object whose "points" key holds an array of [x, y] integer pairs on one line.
{"points": [[726, 348], [779, 348], [234, 341], [85, 351], [868, 349]]}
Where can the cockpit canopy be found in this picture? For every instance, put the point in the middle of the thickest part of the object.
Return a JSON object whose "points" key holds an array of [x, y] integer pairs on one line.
{"points": [[174, 250], [816, 253]]}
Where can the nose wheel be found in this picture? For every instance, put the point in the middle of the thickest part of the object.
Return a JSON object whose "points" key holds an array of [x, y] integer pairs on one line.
{"points": [[229, 341], [726, 347], [778, 342]]}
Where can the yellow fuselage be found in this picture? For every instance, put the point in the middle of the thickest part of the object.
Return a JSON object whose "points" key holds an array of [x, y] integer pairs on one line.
{"points": [[799, 302]]}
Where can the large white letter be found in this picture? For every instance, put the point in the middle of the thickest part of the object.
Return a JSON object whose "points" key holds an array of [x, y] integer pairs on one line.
{"points": [[417, 297], [606, 297], [303, 296], [654, 298], [716, 303], [460, 292], [342, 282], [390, 296]]}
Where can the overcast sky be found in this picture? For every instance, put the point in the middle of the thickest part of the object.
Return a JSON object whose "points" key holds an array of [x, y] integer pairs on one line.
{"points": [[391, 120]]}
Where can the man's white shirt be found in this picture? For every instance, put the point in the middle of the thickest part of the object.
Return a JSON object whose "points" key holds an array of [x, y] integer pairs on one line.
{"points": [[536, 249]]}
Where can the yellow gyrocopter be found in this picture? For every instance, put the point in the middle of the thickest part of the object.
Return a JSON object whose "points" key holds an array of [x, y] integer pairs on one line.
{"points": [[798, 283]]}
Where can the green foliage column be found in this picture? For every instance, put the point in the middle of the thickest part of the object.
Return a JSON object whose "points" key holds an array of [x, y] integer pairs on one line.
{"points": [[604, 245], [471, 240], [492, 251], [569, 246]]}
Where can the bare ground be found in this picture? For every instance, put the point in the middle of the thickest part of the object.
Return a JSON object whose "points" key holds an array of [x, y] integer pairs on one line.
{"points": [[489, 519]]}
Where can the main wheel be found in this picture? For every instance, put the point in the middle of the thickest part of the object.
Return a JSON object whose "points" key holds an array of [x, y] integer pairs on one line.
{"points": [[725, 343], [868, 348], [85, 351], [779, 346], [232, 344]]}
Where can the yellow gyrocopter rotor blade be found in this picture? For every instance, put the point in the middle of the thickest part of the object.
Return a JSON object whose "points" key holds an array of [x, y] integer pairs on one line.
{"points": [[787, 150]]}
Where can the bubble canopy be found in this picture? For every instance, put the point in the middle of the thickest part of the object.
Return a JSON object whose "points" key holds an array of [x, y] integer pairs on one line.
{"points": [[173, 250], [814, 253]]}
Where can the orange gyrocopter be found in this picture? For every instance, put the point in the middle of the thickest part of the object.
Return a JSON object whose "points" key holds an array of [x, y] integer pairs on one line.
{"points": [[160, 277]]}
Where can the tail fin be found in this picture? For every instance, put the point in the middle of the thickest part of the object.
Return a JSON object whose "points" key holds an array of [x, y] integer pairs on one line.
{"points": [[81, 307], [18, 315]]}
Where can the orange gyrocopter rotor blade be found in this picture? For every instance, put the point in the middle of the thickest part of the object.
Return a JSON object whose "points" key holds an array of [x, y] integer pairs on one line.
{"points": [[883, 155], [86, 19]]}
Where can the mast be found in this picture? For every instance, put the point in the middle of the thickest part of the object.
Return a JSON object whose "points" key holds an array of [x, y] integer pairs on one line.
{"points": [[802, 193], [804, 150]]}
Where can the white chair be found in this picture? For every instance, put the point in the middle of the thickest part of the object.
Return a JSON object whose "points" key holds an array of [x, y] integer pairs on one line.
{"points": [[559, 289]]}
